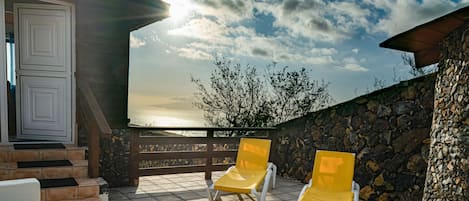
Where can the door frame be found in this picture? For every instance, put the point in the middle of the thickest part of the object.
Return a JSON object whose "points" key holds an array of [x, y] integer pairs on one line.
{"points": [[3, 80]]}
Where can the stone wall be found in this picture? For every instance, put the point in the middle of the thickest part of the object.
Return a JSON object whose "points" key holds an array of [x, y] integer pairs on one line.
{"points": [[114, 158], [448, 171], [387, 129]]}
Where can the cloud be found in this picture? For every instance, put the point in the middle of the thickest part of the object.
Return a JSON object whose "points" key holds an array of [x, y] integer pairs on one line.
{"points": [[301, 25], [210, 37], [306, 31], [260, 52], [335, 21], [290, 6], [305, 19], [136, 42], [320, 60], [324, 51], [401, 15], [355, 67], [318, 20], [350, 15], [191, 53], [351, 64], [175, 103], [226, 11], [237, 6], [282, 49], [202, 29]]}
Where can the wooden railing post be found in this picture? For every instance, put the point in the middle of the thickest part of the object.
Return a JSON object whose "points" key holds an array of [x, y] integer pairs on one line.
{"points": [[134, 157], [93, 152], [208, 165], [91, 117]]}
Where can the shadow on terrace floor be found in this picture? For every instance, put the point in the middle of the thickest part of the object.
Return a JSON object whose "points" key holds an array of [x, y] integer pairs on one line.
{"points": [[192, 187]]}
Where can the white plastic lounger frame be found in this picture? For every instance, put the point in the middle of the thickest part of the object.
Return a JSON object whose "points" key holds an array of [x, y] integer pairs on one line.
{"points": [[355, 190], [270, 175], [20, 189]]}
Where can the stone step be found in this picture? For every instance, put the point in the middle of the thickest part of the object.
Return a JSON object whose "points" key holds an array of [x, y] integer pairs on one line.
{"points": [[87, 190], [79, 169], [71, 152]]}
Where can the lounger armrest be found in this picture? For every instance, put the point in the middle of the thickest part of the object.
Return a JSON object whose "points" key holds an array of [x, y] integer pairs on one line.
{"points": [[304, 189], [355, 190], [273, 167], [231, 167], [270, 165], [210, 183]]}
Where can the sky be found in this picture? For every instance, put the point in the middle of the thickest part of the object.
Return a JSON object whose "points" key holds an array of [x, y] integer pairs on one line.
{"points": [[335, 40]]}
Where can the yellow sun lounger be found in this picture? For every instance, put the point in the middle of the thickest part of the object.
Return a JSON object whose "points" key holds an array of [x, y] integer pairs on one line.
{"points": [[251, 170], [332, 178]]}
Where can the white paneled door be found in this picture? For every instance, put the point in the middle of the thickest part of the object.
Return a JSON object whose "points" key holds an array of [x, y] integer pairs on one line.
{"points": [[44, 69]]}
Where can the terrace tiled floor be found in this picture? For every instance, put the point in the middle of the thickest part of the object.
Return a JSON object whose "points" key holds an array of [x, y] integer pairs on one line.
{"points": [[192, 187]]}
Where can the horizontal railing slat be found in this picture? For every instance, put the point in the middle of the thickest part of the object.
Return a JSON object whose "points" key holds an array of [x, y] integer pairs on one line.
{"points": [[220, 167], [185, 155], [171, 170], [141, 138], [180, 169], [204, 128], [187, 140]]}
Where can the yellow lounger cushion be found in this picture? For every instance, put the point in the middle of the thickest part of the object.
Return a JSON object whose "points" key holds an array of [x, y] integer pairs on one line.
{"points": [[316, 195], [240, 181], [333, 171], [332, 177]]}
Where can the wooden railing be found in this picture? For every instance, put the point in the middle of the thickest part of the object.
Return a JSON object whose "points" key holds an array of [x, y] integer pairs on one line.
{"points": [[91, 117], [145, 146]]}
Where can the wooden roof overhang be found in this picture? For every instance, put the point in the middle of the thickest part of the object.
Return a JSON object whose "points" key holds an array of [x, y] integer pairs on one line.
{"points": [[144, 12], [139, 13], [423, 40]]}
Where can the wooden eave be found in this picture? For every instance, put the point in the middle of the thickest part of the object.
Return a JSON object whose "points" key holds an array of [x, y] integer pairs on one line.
{"points": [[144, 12], [423, 40]]}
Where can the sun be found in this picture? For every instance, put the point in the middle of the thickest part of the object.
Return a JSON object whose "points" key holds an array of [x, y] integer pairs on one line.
{"points": [[179, 9]]}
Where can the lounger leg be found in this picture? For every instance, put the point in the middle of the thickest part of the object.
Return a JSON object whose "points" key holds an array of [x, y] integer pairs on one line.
{"points": [[257, 194], [274, 175], [266, 185], [209, 193], [217, 195], [209, 189], [273, 167], [356, 191], [212, 197]]}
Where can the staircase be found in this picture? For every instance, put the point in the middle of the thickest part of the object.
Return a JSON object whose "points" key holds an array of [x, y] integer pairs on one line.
{"points": [[62, 171]]}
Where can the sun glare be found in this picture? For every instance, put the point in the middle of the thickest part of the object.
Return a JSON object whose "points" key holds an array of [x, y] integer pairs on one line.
{"points": [[179, 9]]}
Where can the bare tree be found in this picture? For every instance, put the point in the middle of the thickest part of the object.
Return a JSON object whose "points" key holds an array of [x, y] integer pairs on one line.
{"points": [[294, 94], [241, 97], [235, 97], [379, 84]]}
